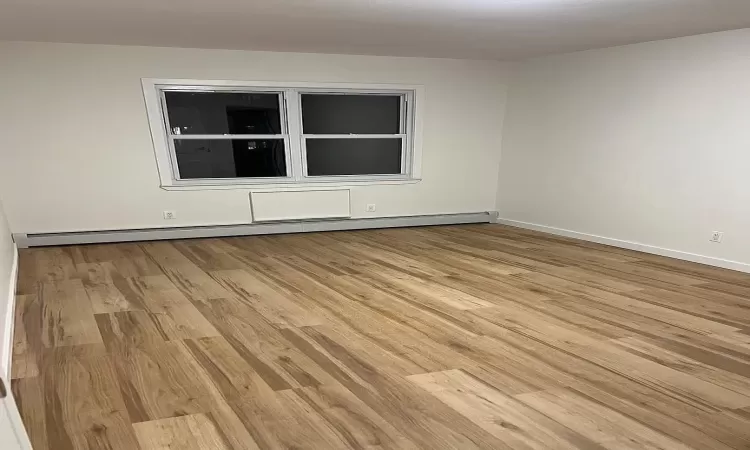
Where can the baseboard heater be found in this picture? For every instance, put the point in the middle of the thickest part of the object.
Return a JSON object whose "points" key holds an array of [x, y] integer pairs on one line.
{"points": [[293, 226]]}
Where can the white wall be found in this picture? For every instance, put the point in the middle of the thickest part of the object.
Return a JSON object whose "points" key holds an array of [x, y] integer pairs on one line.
{"points": [[7, 255], [77, 153], [647, 143]]}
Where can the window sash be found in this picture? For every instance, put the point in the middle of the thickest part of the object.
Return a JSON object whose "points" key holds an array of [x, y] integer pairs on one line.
{"points": [[403, 110], [404, 117], [283, 117], [404, 159], [187, 179], [171, 137], [290, 110]]}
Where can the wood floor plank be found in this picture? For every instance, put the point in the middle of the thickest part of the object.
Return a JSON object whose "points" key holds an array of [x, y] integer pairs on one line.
{"points": [[663, 376], [29, 393], [451, 297], [728, 288], [446, 261], [130, 328], [48, 264], [27, 342], [356, 423], [702, 271], [734, 315], [305, 284], [510, 420], [729, 428], [433, 317], [97, 278], [275, 420], [174, 314], [421, 417], [262, 346], [68, 315], [716, 375], [470, 337], [83, 403], [166, 381], [594, 280], [391, 359], [652, 273], [158, 382], [689, 431], [575, 370], [598, 423], [204, 255], [637, 324], [195, 283], [191, 432], [634, 305], [394, 260], [273, 305], [608, 355]]}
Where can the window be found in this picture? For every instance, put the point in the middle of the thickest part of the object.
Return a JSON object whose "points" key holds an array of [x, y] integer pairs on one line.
{"points": [[230, 133], [219, 135], [353, 134]]}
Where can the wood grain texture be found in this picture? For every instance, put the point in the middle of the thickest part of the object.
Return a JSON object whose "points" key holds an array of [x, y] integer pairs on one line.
{"points": [[460, 337], [191, 432]]}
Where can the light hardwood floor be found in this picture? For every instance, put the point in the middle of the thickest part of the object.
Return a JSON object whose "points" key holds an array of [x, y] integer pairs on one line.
{"points": [[463, 337]]}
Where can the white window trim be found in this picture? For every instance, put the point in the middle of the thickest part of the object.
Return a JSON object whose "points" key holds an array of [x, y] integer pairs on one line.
{"points": [[295, 169]]}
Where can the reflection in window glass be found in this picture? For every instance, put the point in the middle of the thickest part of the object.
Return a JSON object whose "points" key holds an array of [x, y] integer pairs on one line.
{"points": [[230, 158], [223, 112], [351, 114], [353, 156]]}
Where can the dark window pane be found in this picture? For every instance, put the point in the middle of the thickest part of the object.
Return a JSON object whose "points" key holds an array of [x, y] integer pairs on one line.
{"points": [[351, 114], [230, 158], [223, 113], [353, 156]]}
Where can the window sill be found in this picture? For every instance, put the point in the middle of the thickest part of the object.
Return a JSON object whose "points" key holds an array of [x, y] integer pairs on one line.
{"points": [[313, 185]]}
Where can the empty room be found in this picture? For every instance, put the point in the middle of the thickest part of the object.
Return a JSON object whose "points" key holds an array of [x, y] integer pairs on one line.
{"points": [[374, 224]]}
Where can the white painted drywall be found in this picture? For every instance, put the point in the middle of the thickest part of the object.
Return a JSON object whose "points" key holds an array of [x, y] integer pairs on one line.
{"points": [[647, 143], [7, 274], [77, 153]]}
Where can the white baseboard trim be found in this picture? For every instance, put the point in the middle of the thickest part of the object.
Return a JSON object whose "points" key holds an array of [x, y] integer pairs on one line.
{"points": [[710, 260], [299, 226], [6, 340]]}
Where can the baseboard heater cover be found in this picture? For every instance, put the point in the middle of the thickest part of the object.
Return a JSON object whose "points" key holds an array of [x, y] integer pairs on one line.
{"points": [[284, 206], [296, 226]]}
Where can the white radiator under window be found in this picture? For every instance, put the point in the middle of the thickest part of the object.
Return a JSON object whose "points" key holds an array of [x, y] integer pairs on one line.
{"points": [[299, 205]]}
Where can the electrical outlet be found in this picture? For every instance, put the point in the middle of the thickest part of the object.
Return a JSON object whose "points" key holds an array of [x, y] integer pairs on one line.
{"points": [[170, 215], [717, 236], [371, 207]]}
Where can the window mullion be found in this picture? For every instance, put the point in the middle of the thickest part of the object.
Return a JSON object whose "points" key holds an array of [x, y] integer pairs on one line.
{"points": [[229, 137], [294, 128]]}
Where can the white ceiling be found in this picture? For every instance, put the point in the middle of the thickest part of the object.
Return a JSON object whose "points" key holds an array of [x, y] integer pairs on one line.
{"points": [[491, 29]]}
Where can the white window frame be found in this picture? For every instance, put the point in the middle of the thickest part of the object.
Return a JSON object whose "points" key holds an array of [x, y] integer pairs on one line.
{"points": [[292, 133]]}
